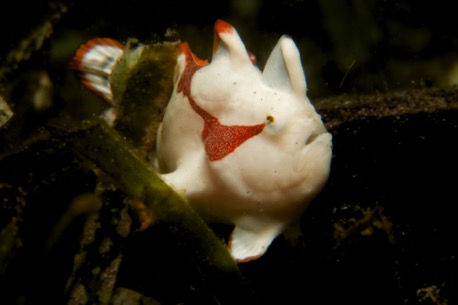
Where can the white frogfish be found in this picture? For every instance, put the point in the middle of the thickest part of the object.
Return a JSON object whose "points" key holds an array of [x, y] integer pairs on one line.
{"points": [[245, 147]]}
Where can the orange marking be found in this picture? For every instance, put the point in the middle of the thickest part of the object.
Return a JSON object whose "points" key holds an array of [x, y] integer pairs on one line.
{"points": [[223, 27], [219, 140], [220, 27], [184, 49]]}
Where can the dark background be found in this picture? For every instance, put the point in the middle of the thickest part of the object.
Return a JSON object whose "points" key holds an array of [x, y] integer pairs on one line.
{"points": [[383, 231], [392, 44]]}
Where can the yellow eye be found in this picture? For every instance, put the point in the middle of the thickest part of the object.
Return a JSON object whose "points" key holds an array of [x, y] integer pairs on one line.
{"points": [[270, 119]]}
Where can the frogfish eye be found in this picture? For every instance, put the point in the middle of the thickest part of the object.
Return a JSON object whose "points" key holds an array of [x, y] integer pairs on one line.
{"points": [[270, 119]]}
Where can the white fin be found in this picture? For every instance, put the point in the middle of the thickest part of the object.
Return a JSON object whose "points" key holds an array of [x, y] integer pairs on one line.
{"points": [[283, 70], [246, 245], [94, 62], [227, 44]]}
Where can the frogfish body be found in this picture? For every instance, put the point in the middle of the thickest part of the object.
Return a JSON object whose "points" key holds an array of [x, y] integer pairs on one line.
{"points": [[245, 147]]}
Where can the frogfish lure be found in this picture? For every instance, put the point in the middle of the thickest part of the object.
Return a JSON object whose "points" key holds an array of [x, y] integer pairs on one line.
{"points": [[245, 147]]}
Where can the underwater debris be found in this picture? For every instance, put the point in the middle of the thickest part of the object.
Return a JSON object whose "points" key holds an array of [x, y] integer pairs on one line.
{"points": [[34, 41], [432, 294], [5, 112]]}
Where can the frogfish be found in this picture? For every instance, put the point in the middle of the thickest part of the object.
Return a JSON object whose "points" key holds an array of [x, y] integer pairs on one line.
{"points": [[245, 147]]}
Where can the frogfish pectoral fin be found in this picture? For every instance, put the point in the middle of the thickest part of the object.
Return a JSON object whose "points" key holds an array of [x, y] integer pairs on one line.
{"points": [[246, 245]]}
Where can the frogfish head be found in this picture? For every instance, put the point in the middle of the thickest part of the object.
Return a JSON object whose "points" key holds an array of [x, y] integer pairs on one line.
{"points": [[246, 146]]}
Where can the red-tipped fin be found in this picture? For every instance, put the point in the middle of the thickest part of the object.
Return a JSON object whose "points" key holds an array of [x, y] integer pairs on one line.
{"points": [[94, 62], [227, 44], [220, 27]]}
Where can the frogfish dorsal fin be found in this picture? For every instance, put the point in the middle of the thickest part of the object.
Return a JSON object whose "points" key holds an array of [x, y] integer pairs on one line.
{"points": [[283, 70], [94, 62], [227, 45]]}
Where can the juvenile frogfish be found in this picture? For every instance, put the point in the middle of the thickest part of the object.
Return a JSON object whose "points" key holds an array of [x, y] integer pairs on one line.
{"points": [[245, 147]]}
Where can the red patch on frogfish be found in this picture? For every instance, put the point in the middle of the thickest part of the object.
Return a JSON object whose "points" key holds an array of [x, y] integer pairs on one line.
{"points": [[223, 27], [219, 140]]}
